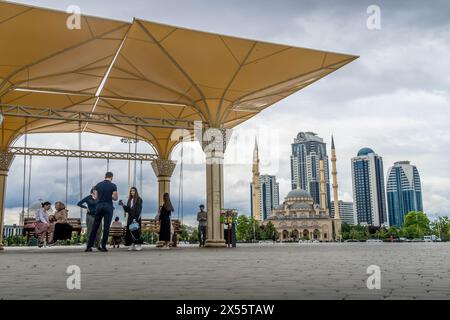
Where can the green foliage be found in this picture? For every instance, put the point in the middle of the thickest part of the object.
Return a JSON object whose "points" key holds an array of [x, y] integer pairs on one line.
{"points": [[149, 237], [184, 235], [417, 225], [14, 241], [248, 229], [193, 238], [441, 228]]}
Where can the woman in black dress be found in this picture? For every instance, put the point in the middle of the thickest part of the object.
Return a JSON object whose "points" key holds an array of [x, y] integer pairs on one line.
{"points": [[164, 219], [134, 210]]}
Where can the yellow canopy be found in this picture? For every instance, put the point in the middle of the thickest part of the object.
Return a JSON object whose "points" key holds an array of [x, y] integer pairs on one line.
{"points": [[142, 69]]}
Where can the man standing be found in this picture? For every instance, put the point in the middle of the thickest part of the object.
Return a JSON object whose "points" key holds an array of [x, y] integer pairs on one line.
{"points": [[105, 193], [202, 219]]}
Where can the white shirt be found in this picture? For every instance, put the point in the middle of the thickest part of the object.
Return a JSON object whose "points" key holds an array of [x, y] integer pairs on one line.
{"points": [[42, 216]]}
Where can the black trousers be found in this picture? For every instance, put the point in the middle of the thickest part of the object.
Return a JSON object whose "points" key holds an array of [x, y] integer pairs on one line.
{"points": [[202, 235], [104, 212]]}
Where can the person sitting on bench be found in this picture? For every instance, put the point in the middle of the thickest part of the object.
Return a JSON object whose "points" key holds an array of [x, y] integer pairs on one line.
{"points": [[63, 230], [116, 239], [43, 226]]}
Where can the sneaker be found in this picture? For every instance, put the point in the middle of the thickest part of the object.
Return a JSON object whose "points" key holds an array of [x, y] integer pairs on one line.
{"points": [[103, 249], [88, 250], [132, 248], [138, 247]]}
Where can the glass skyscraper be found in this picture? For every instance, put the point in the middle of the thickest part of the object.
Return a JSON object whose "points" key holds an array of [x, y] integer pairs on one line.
{"points": [[346, 212], [404, 192], [307, 151], [368, 188], [270, 195]]}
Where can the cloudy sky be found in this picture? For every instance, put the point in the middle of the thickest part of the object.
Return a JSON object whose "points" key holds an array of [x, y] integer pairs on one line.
{"points": [[395, 98]]}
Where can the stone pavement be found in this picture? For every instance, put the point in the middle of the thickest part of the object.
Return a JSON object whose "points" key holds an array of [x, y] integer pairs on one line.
{"points": [[264, 271]]}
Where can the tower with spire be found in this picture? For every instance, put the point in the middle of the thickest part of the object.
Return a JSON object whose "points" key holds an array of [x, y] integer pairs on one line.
{"points": [[337, 218], [256, 185]]}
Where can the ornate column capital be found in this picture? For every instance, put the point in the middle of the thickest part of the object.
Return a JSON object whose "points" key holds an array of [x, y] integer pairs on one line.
{"points": [[6, 159], [163, 168], [214, 141]]}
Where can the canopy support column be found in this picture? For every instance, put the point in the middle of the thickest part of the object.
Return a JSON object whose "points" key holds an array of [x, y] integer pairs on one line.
{"points": [[214, 142], [163, 169], [6, 159]]}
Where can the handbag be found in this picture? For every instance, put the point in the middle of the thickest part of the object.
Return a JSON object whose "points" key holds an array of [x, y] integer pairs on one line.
{"points": [[134, 226]]}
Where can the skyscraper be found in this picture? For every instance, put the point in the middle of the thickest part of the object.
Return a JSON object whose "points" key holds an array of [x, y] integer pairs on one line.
{"points": [[270, 195], [307, 151], [404, 192], [368, 188], [346, 211]]}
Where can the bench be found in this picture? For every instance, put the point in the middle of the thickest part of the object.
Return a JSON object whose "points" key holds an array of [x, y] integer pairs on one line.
{"points": [[29, 231], [152, 225], [117, 234]]}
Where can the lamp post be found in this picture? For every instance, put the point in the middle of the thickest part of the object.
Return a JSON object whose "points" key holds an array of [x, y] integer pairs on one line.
{"points": [[130, 142]]}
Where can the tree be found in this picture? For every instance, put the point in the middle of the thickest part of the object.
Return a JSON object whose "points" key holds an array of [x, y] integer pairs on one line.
{"points": [[393, 231], [268, 231], [184, 234], [441, 228], [243, 227], [193, 238], [417, 225]]}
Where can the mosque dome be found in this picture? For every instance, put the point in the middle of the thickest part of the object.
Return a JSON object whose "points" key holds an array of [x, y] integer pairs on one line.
{"points": [[298, 193]]}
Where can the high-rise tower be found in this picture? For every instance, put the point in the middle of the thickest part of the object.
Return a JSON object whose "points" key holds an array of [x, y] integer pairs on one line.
{"points": [[368, 188], [307, 151], [404, 192]]}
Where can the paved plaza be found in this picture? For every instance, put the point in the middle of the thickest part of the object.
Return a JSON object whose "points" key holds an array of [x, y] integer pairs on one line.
{"points": [[264, 271]]}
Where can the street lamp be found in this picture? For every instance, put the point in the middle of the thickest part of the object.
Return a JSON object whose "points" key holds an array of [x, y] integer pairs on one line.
{"points": [[130, 142]]}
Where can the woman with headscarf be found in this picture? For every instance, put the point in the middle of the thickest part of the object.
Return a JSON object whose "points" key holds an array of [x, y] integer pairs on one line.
{"points": [[165, 212], [63, 230]]}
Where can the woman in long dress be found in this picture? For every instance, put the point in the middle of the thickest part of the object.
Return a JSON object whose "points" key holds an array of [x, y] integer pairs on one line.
{"points": [[43, 226], [133, 239], [165, 213], [63, 230]]}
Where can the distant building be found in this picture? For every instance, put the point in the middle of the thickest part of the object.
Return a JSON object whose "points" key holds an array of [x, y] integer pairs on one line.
{"points": [[270, 195], [404, 192], [299, 218], [346, 212], [307, 151], [368, 188], [264, 190]]}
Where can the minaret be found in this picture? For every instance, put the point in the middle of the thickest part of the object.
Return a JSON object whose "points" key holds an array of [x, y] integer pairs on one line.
{"points": [[256, 185], [323, 197], [337, 217]]}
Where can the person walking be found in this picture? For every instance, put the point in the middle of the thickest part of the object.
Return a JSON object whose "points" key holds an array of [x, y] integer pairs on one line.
{"points": [[106, 193], [90, 204], [165, 213], [133, 239], [202, 218]]}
